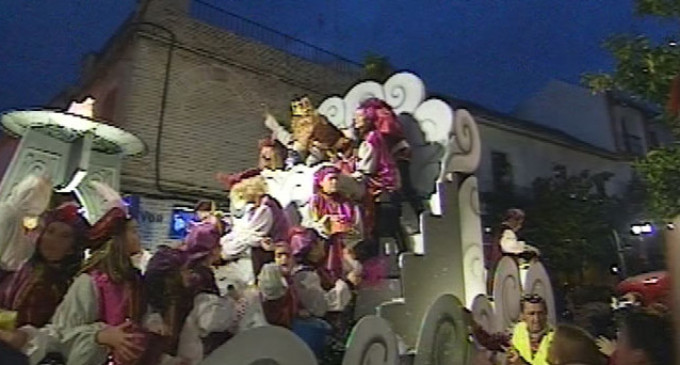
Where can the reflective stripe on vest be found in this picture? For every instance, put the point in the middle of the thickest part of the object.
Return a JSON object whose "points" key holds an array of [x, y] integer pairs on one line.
{"points": [[521, 342]]}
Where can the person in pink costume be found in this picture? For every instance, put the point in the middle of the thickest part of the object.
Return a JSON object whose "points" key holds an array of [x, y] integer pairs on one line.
{"points": [[335, 218], [377, 169], [98, 320], [386, 122]]}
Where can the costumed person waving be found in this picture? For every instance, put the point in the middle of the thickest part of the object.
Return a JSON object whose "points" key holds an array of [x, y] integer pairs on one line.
{"points": [[213, 318], [279, 301], [386, 122], [258, 221], [174, 279], [313, 139]]}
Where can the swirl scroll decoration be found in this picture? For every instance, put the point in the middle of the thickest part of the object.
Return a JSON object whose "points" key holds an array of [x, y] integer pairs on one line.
{"points": [[538, 282], [334, 110], [483, 313], [404, 92], [507, 292], [359, 93], [464, 148], [471, 233], [372, 342], [433, 120], [262, 345], [443, 333]]}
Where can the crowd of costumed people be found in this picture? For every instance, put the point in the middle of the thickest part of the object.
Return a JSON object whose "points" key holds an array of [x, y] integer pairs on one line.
{"points": [[77, 293], [258, 265]]}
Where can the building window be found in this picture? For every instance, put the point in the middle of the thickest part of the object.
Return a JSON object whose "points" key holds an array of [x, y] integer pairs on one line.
{"points": [[501, 171]]}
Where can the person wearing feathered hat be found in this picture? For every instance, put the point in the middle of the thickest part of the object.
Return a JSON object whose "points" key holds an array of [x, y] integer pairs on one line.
{"points": [[258, 220], [34, 291], [98, 319]]}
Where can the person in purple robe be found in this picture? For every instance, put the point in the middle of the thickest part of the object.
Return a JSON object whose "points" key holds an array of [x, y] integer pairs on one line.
{"points": [[335, 218], [376, 167]]}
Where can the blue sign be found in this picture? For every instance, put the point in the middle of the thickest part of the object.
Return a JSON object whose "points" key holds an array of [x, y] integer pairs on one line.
{"points": [[132, 202], [181, 220]]}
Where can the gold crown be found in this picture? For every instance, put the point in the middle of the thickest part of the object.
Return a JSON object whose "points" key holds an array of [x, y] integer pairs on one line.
{"points": [[301, 107]]}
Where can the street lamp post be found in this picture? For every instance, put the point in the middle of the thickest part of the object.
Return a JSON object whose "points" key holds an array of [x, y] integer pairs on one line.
{"points": [[619, 254]]}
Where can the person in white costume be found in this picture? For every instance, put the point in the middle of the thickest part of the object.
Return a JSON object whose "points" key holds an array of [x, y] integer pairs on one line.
{"points": [[99, 318], [258, 220], [28, 200]]}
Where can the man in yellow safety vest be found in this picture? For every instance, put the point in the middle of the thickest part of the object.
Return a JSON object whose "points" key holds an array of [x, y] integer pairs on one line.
{"points": [[532, 336]]}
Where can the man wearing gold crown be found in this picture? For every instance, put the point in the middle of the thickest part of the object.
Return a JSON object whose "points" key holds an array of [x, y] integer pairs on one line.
{"points": [[313, 138]]}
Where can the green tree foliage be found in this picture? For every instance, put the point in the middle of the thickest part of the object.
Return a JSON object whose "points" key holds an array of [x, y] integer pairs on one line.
{"points": [[645, 70], [377, 67], [570, 219], [661, 171]]}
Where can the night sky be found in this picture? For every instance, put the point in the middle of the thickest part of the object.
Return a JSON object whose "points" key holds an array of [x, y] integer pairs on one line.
{"points": [[492, 52]]}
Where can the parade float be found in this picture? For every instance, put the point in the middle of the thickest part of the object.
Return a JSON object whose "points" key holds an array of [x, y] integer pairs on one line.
{"points": [[71, 148], [420, 314], [419, 317]]}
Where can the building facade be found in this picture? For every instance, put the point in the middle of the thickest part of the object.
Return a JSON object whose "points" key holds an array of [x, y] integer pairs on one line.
{"points": [[196, 94]]}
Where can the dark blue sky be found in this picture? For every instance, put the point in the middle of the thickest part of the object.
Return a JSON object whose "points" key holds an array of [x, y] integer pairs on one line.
{"points": [[492, 52]]}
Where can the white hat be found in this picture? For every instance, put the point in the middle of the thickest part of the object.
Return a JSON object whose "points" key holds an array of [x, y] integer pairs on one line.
{"points": [[271, 282]]}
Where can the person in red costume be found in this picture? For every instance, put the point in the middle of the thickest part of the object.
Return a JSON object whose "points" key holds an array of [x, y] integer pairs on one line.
{"points": [[36, 289], [98, 320]]}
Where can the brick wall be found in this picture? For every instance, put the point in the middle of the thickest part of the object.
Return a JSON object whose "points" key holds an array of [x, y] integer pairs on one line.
{"points": [[218, 83]]}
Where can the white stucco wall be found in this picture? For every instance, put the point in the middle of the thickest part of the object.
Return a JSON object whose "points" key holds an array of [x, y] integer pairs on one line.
{"points": [[573, 110], [532, 158]]}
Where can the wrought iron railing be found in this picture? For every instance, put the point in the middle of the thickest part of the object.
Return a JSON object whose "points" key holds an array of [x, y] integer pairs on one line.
{"points": [[222, 18]]}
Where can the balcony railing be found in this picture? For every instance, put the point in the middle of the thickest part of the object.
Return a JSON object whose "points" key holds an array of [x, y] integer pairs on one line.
{"points": [[221, 18]]}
